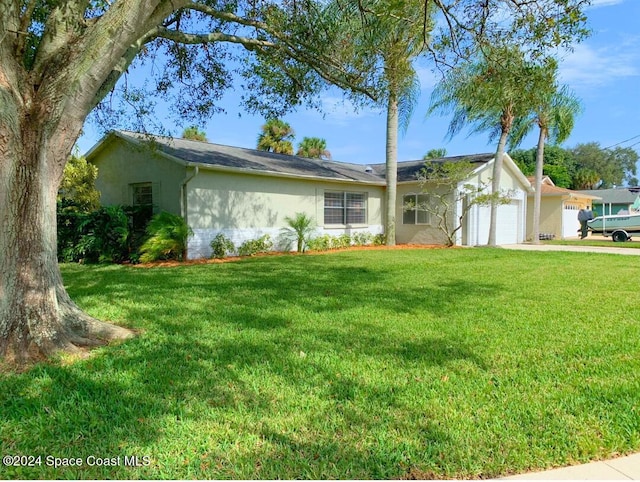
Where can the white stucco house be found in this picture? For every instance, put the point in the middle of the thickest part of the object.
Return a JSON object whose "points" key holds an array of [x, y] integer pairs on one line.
{"points": [[246, 193]]}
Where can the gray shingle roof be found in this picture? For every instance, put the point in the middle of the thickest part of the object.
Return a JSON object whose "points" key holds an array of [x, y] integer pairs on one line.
{"points": [[619, 195], [409, 170], [221, 156], [253, 160]]}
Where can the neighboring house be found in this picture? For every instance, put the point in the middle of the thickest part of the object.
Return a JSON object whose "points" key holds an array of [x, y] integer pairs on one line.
{"points": [[245, 193], [618, 200], [558, 210]]}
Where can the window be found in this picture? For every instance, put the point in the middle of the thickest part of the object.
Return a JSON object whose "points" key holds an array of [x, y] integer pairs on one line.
{"points": [[345, 208], [142, 194], [417, 213]]}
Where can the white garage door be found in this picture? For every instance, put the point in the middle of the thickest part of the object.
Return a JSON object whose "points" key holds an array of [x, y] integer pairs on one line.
{"points": [[570, 223], [508, 225]]}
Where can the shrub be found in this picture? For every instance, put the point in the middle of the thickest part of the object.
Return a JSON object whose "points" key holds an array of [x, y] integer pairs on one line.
{"points": [[221, 246], [299, 230], [362, 239], [379, 240], [101, 236], [342, 241], [320, 243], [168, 235], [111, 234], [255, 246]]}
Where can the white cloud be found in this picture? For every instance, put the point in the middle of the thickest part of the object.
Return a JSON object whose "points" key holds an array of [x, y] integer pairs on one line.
{"points": [[588, 67], [605, 3]]}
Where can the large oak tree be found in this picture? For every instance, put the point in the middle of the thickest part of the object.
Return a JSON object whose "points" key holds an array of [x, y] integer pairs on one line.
{"points": [[58, 61], [60, 58]]}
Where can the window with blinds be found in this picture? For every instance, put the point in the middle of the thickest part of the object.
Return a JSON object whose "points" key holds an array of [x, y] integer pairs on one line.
{"points": [[142, 194], [345, 207]]}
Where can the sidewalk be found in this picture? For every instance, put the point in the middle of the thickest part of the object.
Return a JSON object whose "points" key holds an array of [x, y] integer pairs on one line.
{"points": [[623, 468], [579, 249]]}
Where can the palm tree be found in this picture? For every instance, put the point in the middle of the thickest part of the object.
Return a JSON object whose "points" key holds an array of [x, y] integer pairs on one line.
{"points": [[489, 96], [313, 148], [276, 136], [585, 178], [396, 34], [435, 154], [194, 134], [298, 230], [554, 110]]}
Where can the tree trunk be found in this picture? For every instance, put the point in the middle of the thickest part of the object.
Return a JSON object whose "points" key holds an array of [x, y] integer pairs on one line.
{"points": [[537, 195], [495, 185], [391, 171], [37, 316]]}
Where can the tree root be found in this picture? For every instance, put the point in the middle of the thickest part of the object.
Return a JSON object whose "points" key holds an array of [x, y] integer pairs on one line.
{"points": [[75, 333]]}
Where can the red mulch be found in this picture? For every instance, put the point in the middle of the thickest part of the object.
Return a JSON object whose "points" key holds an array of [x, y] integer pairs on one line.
{"points": [[230, 259]]}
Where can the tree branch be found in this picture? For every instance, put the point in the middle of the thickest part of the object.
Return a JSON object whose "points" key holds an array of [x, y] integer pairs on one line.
{"points": [[25, 21], [64, 22], [191, 39], [228, 16]]}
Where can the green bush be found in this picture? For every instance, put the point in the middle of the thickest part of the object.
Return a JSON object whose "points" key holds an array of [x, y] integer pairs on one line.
{"points": [[342, 241], [100, 236], [362, 239], [326, 242], [298, 231], [168, 236], [221, 246], [111, 234], [379, 240], [320, 243], [254, 246]]}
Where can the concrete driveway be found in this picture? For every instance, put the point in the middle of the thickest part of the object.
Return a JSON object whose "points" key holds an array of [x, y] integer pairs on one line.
{"points": [[579, 249]]}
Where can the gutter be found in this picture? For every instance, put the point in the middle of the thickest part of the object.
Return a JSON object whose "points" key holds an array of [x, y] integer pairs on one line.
{"points": [[240, 170]]}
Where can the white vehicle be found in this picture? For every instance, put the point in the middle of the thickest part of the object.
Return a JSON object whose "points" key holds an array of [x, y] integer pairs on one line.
{"points": [[618, 226]]}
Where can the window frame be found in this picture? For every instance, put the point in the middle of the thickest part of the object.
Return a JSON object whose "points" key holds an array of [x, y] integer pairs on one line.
{"points": [[347, 205], [135, 195], [415, 211]]}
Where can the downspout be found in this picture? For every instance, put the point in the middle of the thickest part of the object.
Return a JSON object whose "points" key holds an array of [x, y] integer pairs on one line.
{"points": [[183, 195], [183, 192]]}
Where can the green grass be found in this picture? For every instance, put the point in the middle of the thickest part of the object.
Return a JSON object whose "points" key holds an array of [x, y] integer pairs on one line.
{"points": [[459, 363]]}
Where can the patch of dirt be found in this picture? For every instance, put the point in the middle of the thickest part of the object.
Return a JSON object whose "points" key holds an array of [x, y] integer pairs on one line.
{"points": [[231, 259]]}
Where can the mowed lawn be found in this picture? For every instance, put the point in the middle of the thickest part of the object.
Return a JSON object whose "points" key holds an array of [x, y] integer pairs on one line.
{"points": [[467, 363]]}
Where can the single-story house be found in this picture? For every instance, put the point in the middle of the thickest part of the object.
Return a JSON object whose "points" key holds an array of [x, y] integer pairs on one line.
{"points": [[558, 210], [245, 193], [617, 200]]}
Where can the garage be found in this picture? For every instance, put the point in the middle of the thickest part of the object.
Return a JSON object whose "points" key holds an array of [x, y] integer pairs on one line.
{"points": [[508, 224]]}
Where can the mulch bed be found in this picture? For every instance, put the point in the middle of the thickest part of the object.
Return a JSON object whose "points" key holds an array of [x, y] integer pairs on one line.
{"points": [[231, 259]]}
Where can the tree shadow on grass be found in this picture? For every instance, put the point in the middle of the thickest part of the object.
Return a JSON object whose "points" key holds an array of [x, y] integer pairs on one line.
{"points": [[188, 397], [251, 288], [228, 370]]}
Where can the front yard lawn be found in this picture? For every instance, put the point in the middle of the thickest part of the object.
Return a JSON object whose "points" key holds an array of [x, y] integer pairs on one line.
{"points": [[457, 363]]}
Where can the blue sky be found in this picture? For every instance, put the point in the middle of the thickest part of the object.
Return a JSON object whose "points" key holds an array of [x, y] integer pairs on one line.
{"points": [[603, 71]]}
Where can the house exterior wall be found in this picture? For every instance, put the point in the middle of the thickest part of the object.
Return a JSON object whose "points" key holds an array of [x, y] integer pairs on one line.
{"points": [[475, 226], [600, 208], [415, 233], [550, 217], [244, 206], [121, 165]]}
